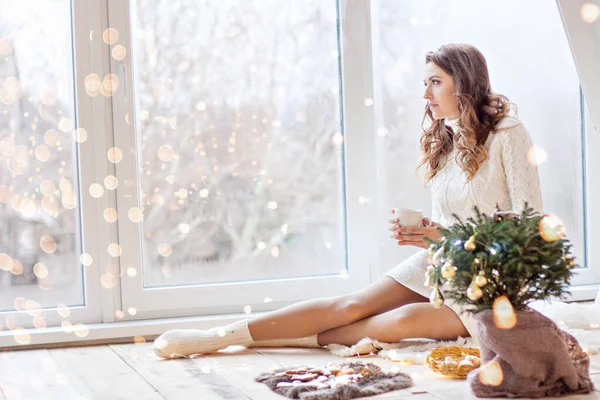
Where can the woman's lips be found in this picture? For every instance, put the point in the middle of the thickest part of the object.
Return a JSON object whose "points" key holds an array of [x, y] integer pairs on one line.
{"points": [[433, 105]]}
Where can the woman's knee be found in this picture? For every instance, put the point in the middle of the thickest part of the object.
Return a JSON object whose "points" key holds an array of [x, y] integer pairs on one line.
{"points": [[349, 308], [422, 320]]}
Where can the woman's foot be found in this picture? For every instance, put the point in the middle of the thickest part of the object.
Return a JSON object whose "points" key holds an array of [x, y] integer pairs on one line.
{"points": [[179, 343]]}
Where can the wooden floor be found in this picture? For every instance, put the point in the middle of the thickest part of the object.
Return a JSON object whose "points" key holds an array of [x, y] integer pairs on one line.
{"points": [[132, 371]]}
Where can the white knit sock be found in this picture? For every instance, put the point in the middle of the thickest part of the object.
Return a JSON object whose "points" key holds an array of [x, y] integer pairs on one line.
{"points": [[178, 343], [309, 341]]}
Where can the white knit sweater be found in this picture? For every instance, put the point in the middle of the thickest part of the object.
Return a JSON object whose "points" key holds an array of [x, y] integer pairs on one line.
{"points": [[507, 177]]}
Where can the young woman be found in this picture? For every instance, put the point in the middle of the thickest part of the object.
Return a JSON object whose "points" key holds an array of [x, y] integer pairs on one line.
{"points": [[475, 152]]}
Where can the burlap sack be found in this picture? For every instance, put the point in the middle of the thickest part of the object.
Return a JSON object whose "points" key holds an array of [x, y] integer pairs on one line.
{"points": [[537, 358]]}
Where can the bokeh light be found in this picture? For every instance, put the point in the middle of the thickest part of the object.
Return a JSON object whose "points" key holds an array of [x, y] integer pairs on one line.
{"points": [[119, 52], [590, 12], [115, 155], [96, 190], [110, 215], [81, 135], [47, 187], [21, 336], [69, 200], [114, 249], [165, 250], [537, 155], [491, 374], [42, 153], [135, 214], [108, 281], [17, 268], [81, 330], [28, 208], [504, 313], [86, 259], [63, 310], [111, 182], [48, 244], [110, 36], [6, 262], [165, 153], [40, 270], [50, 205], [551, 228]]}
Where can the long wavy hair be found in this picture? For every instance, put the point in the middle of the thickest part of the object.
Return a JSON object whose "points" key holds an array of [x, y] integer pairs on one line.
{"points": [[480, 112]]}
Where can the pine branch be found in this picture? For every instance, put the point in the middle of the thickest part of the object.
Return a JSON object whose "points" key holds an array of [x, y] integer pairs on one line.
{"points": [[515, 258]]}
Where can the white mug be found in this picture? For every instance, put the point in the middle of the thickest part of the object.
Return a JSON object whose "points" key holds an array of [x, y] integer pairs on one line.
{"points": [[409, 216]]}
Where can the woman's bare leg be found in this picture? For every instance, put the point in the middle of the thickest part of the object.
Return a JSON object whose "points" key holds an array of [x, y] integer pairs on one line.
{"points": [[314, 316], [289, 323], [418, 320]]}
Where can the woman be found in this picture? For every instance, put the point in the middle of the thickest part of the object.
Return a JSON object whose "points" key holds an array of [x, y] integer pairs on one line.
{"points": [[475, 153]]}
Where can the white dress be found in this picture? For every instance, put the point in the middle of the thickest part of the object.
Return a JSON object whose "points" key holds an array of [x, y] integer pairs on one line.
{"points": [[506, 177]]}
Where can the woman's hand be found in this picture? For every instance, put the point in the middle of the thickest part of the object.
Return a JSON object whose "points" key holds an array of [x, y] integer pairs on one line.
{"points": [[412, 235]]}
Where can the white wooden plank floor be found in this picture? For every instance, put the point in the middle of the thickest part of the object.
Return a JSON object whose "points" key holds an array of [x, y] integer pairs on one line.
{"points": [[131, 371]]}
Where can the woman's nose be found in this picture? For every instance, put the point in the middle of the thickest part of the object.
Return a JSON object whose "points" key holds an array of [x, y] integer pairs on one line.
{"points": [[427, 93]]}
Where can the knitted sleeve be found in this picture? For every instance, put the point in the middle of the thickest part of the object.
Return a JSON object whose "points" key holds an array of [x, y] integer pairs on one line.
{"points": [[436, 213], [522, 177]]}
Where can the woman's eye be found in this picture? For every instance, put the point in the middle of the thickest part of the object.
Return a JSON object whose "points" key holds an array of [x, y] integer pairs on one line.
{"points": [[435, 82]]}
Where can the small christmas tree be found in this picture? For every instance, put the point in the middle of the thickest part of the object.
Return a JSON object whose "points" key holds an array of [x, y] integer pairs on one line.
{"points": [[518, 257]]}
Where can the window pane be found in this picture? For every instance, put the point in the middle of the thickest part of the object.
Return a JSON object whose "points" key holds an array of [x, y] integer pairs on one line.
{"points": [[238, 126], [39, 242], [531, 63]]}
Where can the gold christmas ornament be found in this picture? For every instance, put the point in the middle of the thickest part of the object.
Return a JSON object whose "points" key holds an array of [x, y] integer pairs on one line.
{"points": [[431, 250], [437, 255], [481, 280], [448, 271], [551, 228], [474, 292], [470, 244], [436, 299], [429, 281]]}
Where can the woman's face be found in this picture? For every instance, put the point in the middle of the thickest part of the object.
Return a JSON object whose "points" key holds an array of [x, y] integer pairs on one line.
{"points": [[439, 93]]}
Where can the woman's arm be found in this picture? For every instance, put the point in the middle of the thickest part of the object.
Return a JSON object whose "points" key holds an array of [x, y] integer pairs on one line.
{"points": [[522, 176]]}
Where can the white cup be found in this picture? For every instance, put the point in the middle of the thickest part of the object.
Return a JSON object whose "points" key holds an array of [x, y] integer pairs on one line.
{"points": [[409, 216]]}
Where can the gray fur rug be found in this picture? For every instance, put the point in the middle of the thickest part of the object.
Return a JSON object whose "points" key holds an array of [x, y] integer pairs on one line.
{"points": [[346, 381]]}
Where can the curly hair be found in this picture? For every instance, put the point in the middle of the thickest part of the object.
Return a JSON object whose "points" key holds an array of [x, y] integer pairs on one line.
{"points": [[481, 110]]}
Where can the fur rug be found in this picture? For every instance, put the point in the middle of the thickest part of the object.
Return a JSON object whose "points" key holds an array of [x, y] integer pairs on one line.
{"points": [[371, 381], [414, 351], [581, 321]]}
